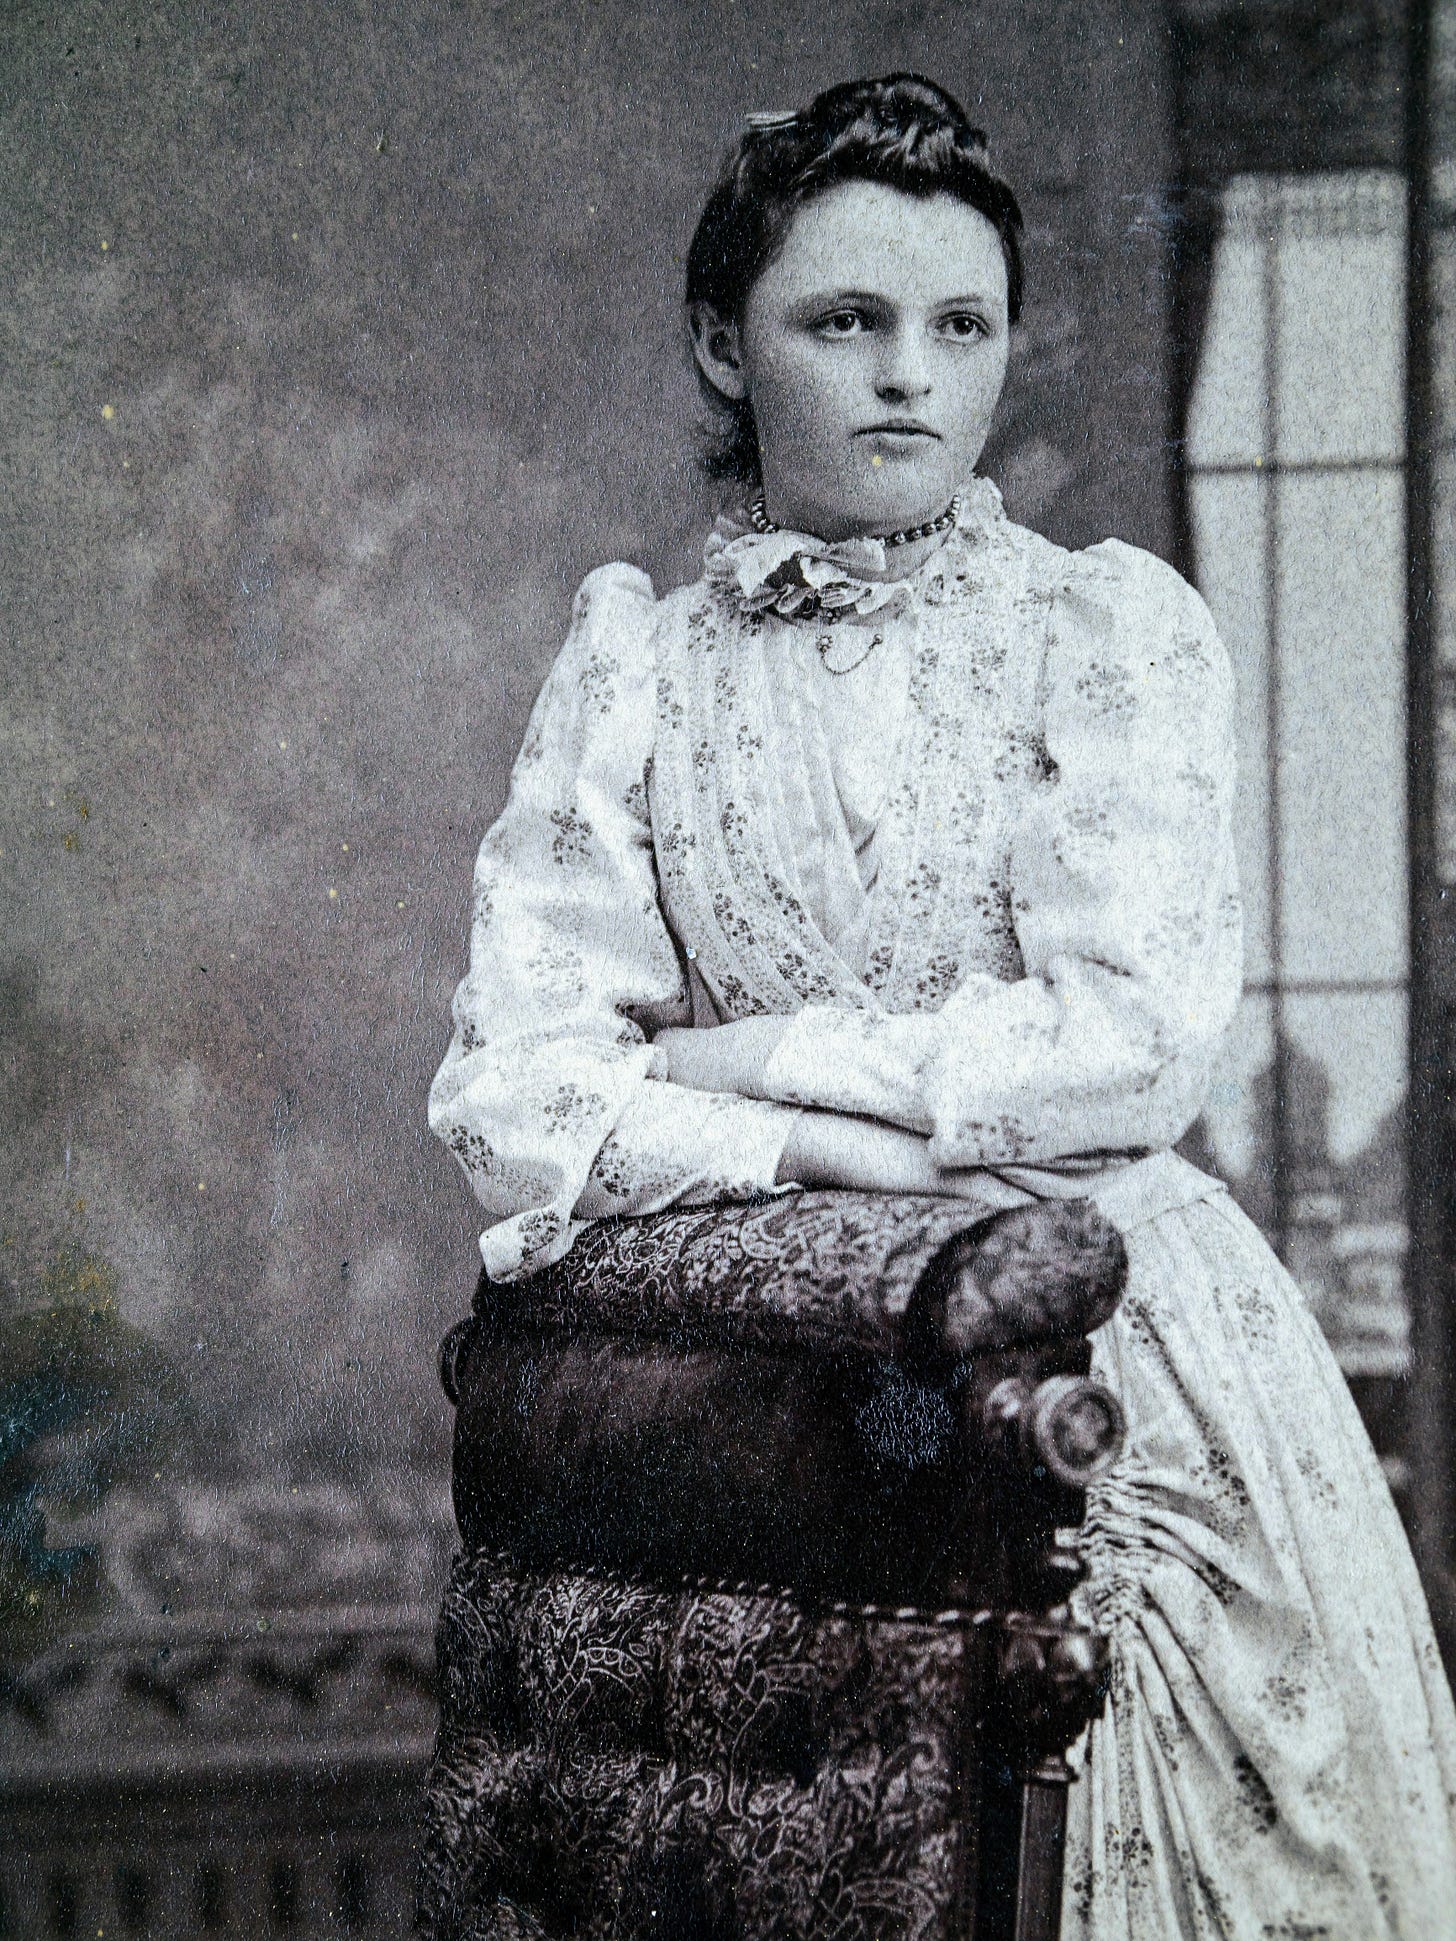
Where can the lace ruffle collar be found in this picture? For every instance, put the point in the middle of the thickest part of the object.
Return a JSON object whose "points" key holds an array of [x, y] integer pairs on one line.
{"points": [[801, 577]]}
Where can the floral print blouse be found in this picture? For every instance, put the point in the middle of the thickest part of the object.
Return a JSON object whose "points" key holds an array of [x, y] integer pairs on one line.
{"points": [[987, 869]]}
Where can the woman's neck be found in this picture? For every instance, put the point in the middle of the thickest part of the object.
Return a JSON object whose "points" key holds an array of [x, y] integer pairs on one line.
{"points": [[900, 561]]}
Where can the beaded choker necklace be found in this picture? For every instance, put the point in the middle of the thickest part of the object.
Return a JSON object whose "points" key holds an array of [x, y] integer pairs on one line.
{"points": [[942, 522]]}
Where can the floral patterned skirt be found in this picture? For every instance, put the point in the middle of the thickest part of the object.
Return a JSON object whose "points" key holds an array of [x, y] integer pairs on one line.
{"points": [[1278, 1758]]}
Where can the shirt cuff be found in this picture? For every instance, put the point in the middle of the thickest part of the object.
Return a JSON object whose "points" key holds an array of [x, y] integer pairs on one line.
{"points": [[673, 1145]]}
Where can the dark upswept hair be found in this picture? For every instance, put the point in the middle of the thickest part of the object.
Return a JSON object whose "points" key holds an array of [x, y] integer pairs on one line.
{"points": [[902, 131]]}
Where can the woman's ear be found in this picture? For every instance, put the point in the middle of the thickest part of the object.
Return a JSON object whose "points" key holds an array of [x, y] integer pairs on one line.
{"points": [[718, 350]]}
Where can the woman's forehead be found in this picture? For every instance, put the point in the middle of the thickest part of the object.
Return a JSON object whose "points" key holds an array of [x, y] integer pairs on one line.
{"points": [[868, 237]]}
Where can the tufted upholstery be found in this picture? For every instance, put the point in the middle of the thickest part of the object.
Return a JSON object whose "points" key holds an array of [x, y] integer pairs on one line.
{"points": [[634, 1741], [623, 1760]]}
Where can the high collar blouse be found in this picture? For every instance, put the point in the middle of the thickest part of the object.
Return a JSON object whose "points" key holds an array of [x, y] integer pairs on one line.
{"points": [[844, 631], [988, 872]]}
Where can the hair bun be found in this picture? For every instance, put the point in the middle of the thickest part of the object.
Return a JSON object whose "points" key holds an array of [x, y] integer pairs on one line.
{"points": [[912, 100]]}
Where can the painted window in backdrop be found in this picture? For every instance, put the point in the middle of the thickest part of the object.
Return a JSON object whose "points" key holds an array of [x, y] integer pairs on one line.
{"points": [[1296, 487]]}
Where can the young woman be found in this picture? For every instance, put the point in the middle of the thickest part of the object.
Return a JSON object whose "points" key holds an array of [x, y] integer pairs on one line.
{"points": [[895, 853]]}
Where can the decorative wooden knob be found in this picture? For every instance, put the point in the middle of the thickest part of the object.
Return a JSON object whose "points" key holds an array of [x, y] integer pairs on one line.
{"points": [[1070, 1426]]}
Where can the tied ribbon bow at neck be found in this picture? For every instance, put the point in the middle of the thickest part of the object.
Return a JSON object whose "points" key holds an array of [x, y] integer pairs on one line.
{"points": [[800, 577]]}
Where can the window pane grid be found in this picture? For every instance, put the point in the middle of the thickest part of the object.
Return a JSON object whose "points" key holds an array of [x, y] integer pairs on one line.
{"points": [[1298, 405], [1276, 467]]}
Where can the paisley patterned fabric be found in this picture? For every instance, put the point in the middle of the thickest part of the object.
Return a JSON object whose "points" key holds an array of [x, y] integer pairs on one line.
{"points": [[618, 1761], [836, 1270], [757, 1393], [1014, 929]]}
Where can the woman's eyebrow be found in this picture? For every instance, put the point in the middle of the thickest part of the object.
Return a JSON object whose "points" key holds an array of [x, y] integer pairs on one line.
{"points": [[845, 296], [817, 299]]}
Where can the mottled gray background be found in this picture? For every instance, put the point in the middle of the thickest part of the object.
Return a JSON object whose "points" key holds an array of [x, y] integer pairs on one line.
{"points": [[339, 340]]}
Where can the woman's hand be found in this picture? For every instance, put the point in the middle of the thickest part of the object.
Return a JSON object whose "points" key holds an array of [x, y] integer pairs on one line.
{"points": [[722, 1057], [823, 1148], [868, 1156], [838, 1149]]}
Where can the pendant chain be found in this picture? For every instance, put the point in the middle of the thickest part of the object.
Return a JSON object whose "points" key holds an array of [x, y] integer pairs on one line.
{"points": [[833, 654]]}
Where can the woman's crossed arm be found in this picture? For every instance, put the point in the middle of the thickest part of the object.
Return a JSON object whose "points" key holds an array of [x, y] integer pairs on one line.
{"points": [[824, 1148]]}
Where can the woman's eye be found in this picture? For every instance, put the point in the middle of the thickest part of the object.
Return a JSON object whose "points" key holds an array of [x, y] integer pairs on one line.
{"points": [[964, 324], [841, 323]]}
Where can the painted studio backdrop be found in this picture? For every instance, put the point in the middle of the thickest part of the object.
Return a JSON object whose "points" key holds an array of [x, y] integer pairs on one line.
{"points": [[339, 341]]}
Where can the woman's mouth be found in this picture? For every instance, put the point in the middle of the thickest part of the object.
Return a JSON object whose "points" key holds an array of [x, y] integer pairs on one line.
{"points": [[899, 428], [897, 441]]}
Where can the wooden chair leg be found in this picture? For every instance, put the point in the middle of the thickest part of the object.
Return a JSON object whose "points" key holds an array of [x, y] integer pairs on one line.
{"points": [[1041, 1852], [1022, 1833]]}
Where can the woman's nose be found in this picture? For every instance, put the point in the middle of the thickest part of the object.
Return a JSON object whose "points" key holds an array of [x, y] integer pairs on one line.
{"points": [[903, 371]]}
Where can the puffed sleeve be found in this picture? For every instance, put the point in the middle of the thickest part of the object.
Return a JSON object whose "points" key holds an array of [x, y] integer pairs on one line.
{"points": [[550, 1094], [1125, 903]]}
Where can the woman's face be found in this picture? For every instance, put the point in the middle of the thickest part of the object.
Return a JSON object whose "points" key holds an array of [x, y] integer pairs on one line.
{"points": [[872, 351]]}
